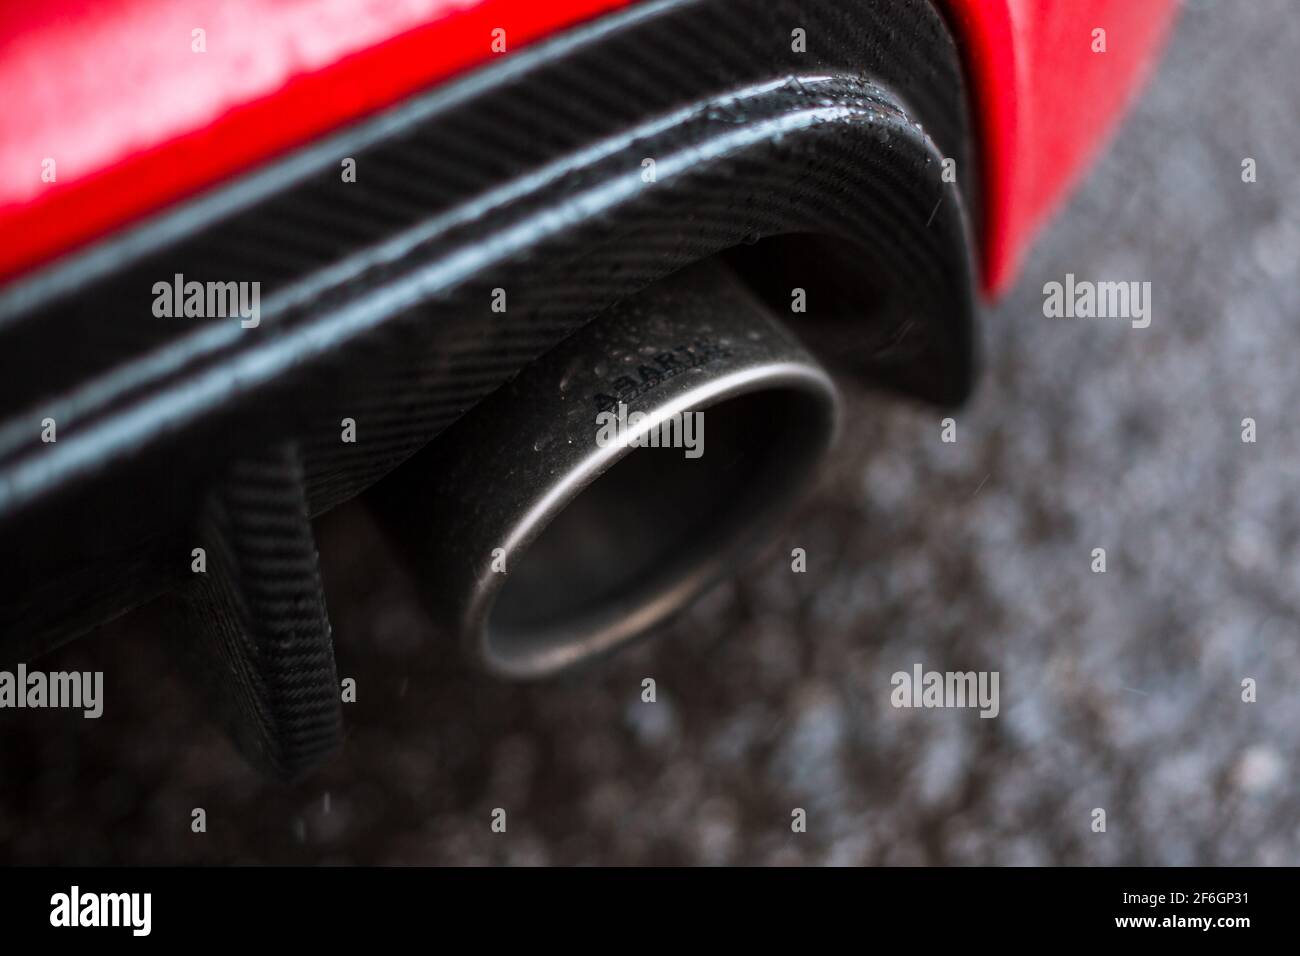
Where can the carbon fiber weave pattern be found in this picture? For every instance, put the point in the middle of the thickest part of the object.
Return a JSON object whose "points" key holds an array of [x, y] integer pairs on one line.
{"points": [[526, 177], [261, 643]]}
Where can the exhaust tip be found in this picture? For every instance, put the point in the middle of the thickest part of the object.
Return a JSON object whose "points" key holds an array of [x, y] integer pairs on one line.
{"points": [[626, 539], [618, 477]]}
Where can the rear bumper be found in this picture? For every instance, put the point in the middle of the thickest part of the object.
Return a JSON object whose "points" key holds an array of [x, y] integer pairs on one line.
{"points": [[135, 119]]}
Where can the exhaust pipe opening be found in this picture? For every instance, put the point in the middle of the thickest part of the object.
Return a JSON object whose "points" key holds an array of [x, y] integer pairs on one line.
{"points": [[652, 531], [616, 478]]}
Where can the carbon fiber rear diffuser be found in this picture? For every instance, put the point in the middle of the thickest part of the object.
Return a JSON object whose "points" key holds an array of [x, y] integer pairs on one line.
{"points": [[261, 642], [526, 183]]}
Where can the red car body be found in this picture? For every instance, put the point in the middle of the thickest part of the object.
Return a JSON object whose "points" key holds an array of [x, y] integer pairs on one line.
{"points": [[135, 118]]}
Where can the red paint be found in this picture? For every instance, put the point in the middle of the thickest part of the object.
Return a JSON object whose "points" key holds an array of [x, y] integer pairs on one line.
{"points": [[134, 119], [1046, 102]]}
